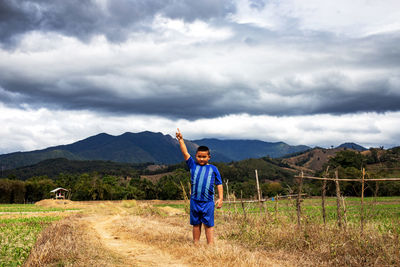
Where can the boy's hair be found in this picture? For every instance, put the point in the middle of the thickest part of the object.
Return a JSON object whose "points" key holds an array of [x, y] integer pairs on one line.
{"points": [[203, 148]]}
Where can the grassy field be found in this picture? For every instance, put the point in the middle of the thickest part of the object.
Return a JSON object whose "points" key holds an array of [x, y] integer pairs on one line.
{"points": [[381, 210], [28, 208], [271, 233], [322, 244], [20, 225], [135, 233]]}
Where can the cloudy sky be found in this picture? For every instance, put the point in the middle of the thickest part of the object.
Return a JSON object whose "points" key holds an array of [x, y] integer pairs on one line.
{"points": [[310, 72]]}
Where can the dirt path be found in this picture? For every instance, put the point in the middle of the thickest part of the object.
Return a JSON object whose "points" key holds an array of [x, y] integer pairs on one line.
{"points": [[131, 234], [131, 251]]}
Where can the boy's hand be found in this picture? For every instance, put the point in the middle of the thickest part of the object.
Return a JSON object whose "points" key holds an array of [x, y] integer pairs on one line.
{"points": [[179, 135], [182, 145], [218, 203]]}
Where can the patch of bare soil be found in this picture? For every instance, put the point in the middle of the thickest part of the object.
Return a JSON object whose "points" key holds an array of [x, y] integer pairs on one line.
{"points": [[61, 203], [53, 202], [132, 251]]}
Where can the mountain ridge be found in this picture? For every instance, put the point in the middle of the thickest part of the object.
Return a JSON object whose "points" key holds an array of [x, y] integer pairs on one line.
{"points": [[147, 146]]}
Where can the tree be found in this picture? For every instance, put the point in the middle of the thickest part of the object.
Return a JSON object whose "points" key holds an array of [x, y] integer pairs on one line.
{"points": [[271, 189], [38, 188], [169, 186], [347, 158], [5, 191]]}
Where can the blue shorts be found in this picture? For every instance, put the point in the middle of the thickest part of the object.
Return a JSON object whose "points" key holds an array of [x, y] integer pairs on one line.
{"points": [[201, 212]]}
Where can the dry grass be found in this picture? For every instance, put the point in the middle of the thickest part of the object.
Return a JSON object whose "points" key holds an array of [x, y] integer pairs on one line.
{"points": [[172, 234], [321, 245], [255, 241], [70, 243]]}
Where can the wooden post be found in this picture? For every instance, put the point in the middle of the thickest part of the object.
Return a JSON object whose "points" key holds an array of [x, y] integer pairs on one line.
{"points": [[276, 207], [362, 201], [234, 202], [227, 195], [344, 213], [324, 195], [227, 190], [339, 215], [258, 192], [241, 199], [376, 191], [265, 207], [299, 200]]}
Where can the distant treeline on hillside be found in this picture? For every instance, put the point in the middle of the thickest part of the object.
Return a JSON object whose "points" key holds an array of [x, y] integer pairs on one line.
{"points": [[101, 180], [114, 181]]}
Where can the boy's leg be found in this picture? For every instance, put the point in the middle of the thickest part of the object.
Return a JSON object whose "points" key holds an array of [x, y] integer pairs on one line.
{"points": [[209, 234], [208, 221], [196, 233]]}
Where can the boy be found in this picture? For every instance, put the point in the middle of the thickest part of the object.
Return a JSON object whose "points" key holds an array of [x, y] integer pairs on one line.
{"points": [[203, 177]]}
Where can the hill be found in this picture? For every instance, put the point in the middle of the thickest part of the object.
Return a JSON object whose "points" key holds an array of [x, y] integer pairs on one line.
{"points": [[245, 149], [147, 147], [313, 160], [52, 168], [141, 147], [353, 146]]}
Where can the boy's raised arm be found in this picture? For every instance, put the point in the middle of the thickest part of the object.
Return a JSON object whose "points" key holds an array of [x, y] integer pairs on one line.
{"points": [[184, 150]]}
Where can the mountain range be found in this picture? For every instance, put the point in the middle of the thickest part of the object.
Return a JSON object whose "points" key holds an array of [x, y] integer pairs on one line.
{"points": [[147, 147]]}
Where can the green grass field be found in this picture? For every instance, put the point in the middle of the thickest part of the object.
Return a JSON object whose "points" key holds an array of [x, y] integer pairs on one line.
{"points": [[20, 225], [381, 211], [28, 208]]}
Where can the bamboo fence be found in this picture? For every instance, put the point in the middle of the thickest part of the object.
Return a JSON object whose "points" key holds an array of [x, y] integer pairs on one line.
{"points": [[340, 201]]}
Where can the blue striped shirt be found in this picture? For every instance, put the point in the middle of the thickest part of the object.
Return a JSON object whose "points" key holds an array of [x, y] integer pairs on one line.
{"points": [[202, 180]]}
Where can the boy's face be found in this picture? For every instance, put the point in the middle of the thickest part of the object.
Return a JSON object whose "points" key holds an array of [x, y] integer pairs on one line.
{"points": [[202, 157]]}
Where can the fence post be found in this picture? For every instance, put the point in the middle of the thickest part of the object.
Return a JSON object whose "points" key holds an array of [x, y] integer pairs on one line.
{"points": [[227, 195], [324, 195], [362, 201], [276, 207], [241, 199], [339, 215], [376, 191], [299, 200], [234, 202], [258, 192], [344, 213]]}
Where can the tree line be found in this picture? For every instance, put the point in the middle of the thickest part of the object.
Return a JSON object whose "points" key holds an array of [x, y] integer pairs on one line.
{"points": [[274, 175], [378, 163]]}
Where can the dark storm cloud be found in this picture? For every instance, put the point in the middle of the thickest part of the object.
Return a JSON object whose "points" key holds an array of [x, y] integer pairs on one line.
{"points": [[331, 93], [371, 96], [194, 101], [193, 104], [333, 64], [85, 18]]}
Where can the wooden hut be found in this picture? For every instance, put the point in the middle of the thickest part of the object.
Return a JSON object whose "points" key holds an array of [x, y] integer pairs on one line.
{"points": [[59, 193]]}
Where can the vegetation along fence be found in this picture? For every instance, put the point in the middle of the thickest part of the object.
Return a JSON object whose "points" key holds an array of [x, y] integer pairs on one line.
{"points": [[297, 198]]}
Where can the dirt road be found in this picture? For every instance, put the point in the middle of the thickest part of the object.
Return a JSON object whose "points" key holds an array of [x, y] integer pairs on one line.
{"points": [[140, 234], [166, 241], [132, 252]]}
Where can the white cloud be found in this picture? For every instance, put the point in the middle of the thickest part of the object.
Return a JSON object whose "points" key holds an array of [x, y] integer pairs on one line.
{"points": [[186, 33], [353, 18]]}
